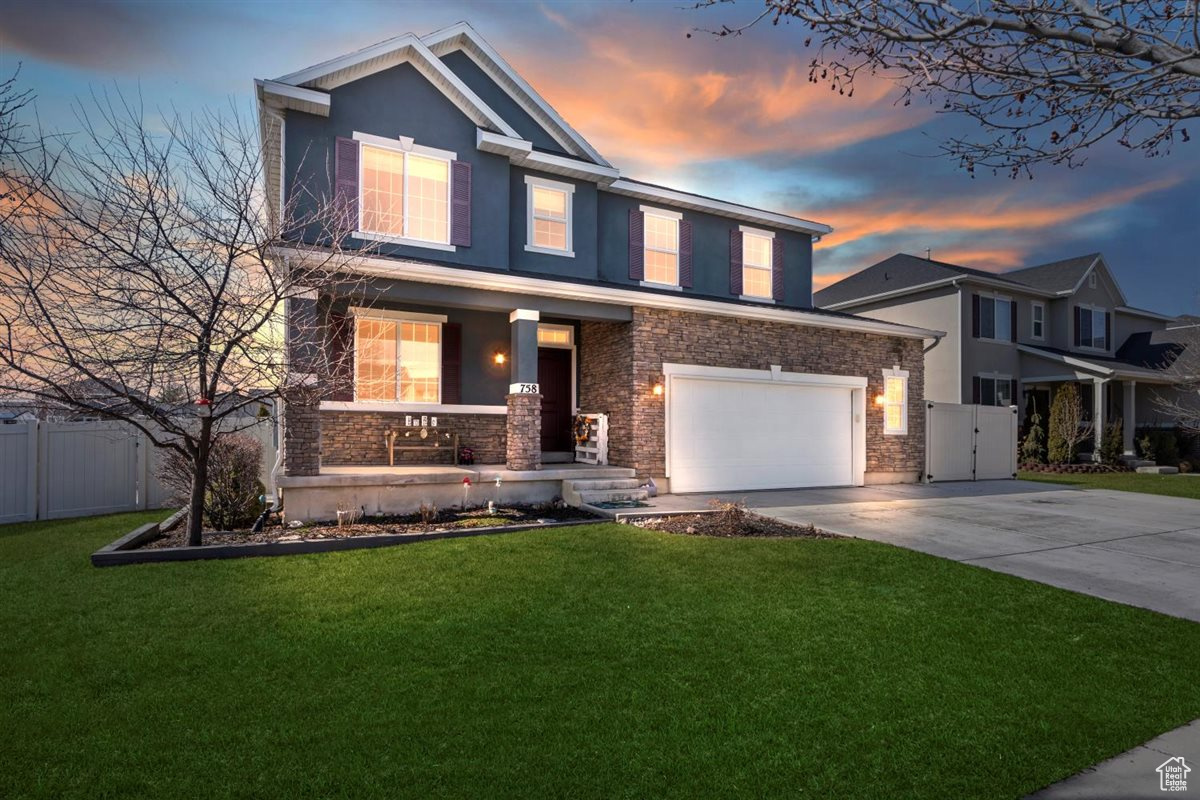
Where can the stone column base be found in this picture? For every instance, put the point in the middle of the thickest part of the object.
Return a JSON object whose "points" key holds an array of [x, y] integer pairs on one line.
{"points": [[524, 431], [301, 439]]}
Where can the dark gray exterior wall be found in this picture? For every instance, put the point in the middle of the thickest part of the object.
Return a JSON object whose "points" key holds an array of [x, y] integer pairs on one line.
{"points": [[400, 102], [499, 101], [710, 247], [583, 235]]}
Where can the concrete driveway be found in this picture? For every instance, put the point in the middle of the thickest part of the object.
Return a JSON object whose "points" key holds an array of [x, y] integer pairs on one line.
{"points": [[1139, 549]]}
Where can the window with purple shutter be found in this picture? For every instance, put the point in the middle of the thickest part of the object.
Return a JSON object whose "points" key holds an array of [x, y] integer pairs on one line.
{"points": [[637, 236], [685, 253], [735, 262], [345, 179], [341, 354], [777, 269], [451, 363], [460, 203]]}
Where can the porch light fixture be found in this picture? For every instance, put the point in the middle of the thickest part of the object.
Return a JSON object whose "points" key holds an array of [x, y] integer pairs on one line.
{"points": [[499, 357], [658, 389], [880, 399]]}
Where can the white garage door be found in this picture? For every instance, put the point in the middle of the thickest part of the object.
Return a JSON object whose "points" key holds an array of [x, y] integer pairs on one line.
{"points": [[748, 434]]}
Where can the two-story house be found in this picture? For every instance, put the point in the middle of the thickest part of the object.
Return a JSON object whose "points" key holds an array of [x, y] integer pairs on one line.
{"points": [[519, 278], [1024, 332]]}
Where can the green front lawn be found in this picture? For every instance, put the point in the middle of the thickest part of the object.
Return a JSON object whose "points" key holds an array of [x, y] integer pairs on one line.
{"points": [[596, 661], [1169, 485]]}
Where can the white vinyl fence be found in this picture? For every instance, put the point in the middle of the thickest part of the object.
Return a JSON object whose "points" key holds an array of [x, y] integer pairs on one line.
{"points": [[51, 470], [970, 442]]}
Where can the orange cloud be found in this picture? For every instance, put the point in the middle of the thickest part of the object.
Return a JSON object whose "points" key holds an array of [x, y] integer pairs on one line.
{"points": [[979, 213], [995, 259], [650, 100]]}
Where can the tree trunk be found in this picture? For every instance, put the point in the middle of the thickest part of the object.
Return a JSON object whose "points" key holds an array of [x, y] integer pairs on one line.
{"points": [[199, 483]]}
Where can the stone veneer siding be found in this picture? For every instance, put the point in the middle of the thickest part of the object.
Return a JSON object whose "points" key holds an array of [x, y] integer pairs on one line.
{"points": [[524, 431], [621, 362], [301, 439], [356, 438]]}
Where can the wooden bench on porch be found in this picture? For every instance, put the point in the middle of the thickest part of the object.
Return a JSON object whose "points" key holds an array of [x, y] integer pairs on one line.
{"points": [[416, 438]]}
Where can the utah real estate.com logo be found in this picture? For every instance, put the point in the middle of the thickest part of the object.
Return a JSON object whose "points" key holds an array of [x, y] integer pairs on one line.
{"points": [[1172, 775]]}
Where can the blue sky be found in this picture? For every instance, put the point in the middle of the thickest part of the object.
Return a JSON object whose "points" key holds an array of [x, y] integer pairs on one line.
{"points": [[735, 118]]}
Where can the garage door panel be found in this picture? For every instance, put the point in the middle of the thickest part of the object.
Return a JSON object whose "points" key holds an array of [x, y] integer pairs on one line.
{"points": [[730, 435]]}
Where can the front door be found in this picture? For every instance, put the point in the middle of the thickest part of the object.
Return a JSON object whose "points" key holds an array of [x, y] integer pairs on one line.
{"points": [[554, 375]]}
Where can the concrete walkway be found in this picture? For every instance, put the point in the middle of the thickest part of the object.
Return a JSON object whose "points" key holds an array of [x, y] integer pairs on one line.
{"points": [[1139, 549], [1133, 775]]}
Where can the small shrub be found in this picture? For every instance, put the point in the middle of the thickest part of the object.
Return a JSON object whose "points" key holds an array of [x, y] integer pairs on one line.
{"points": [[729, 514], [1033, 448], [1160, 446], [428, 513], [1066, 428], [233, 497], [1146, 447], [1185, 466], [1112, 445]]}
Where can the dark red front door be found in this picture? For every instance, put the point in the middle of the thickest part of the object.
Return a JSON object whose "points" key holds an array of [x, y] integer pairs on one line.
{"points": [[554, 375]]}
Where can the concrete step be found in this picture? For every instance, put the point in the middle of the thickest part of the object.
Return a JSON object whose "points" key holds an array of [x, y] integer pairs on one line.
{"points": [[1158, 470], [1130, 461], [594, 484], [613, 496], [558, 458]]}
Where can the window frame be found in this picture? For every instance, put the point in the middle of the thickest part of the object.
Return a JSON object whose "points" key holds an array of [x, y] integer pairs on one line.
{"points": [[568, 190], [997, 378], [770, 268], [1034, 307], [1094, 311], [994, 299], [901, 375], [405, 146], [398, 318], [675, 217]]}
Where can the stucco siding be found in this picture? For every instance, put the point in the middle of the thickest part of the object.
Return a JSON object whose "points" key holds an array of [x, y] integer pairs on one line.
{"points": [[937, 309]]}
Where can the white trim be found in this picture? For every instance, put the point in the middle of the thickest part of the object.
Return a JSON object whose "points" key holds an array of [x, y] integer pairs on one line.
{"points": [[564, 165], [1037, 304], [407, 269], [524, 313], [450, 38], [672, 216], [903, 429], [733, 210], [674, 287], [395, 314], [273, 94], [498, 143], [856, 384], [661, 212], [421, 408], [769, 268], [956, 280], [405, 144], [756, 231], [568, 192], [570, 329], [367, 236], [387, 54]]}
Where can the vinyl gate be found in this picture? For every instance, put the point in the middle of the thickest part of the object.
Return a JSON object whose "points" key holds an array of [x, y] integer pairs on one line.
{"points": [[970, 442], [52, 470]]}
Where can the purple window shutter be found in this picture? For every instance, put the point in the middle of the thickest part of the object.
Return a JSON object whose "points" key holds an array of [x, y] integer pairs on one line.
{"points": [[637, 242], [976, 390], [345, 178], [451, 363], [460, 203], [1108, 342], [975, 316], [341, 355], [685, 253], [735, 262], [777, 269], [1078, 314], [1013, 328]]}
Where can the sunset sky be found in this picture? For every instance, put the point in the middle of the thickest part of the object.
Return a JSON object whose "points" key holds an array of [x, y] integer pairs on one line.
{"points": [[735, 118]]}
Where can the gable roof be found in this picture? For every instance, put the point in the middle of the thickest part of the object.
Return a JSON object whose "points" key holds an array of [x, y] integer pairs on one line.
{"points": [[461, 36], [900, 273], [1056, 276]]}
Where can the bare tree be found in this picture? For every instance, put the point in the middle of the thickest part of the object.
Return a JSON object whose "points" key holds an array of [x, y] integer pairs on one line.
{"points": [[139, 281], [1183, 404], [1045, 81]]}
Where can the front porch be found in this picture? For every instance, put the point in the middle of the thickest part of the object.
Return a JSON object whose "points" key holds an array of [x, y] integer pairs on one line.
{"points": [[377, 490]]}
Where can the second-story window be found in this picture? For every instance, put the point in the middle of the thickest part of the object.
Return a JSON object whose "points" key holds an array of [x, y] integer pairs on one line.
{"points": [[548, 209], [757, 249], [661, 248], [1092, 327], [1037, 313], [405, 194], [995, 319]]}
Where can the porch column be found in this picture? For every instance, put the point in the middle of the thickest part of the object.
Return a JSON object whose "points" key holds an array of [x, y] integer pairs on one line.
{"points": [[1129, 417], [1099, 414], [301, 441], [524, 395]]}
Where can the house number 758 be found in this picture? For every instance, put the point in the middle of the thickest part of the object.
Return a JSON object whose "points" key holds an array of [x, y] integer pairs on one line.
{"points": [[523, 388]]}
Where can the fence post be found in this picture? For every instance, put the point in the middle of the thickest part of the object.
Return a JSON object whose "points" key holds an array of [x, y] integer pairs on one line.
{"points": [[141, 479]]}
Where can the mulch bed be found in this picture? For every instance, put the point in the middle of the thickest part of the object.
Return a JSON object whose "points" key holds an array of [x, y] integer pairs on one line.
{"points": [[445, 519], [730, 526], [1075, 469]]}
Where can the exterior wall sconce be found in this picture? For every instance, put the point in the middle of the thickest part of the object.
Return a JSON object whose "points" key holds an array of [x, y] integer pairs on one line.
{"points": [[499, 357], [880, 399], [658, 389]]}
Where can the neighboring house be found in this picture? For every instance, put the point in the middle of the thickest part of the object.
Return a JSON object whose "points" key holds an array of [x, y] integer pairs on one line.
{"points": [[519, 278], [1025, 332]]}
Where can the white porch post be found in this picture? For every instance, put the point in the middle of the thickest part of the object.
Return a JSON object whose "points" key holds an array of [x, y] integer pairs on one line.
{"points": [[1098, 414], [1129, 415]]}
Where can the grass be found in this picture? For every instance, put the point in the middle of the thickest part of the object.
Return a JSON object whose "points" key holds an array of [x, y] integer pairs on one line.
{"points": [[595, 661], [1169, 485]]}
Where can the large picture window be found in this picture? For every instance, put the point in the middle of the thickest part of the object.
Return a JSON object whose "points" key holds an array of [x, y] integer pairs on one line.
{"points": [[397, 360], [1093, 328], [405, 194], [995, 319]]}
